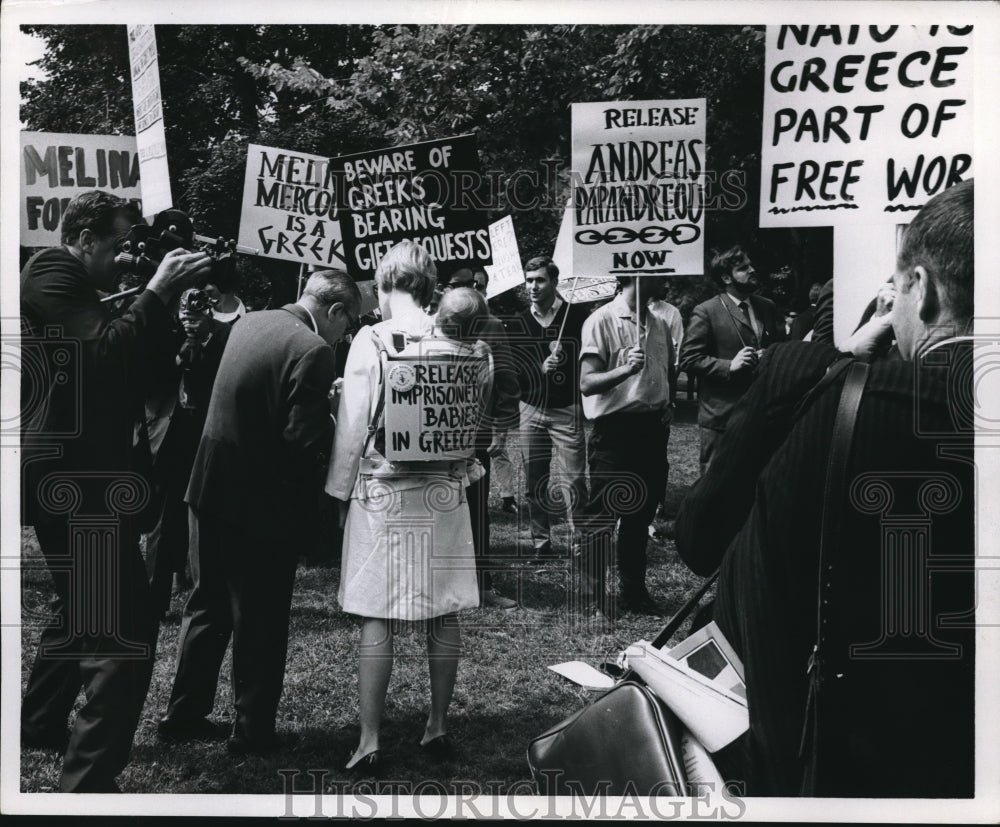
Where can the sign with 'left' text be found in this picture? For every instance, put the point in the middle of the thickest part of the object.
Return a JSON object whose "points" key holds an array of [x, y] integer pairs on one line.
{"points": [[56, 166], [290, 207], [151, 137]]}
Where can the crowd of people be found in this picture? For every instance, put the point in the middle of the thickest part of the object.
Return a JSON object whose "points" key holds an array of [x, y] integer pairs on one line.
{"points": [[231, 412]]}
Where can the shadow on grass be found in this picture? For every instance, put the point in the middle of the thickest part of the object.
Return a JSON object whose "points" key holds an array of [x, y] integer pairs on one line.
{"points": [[314, 755]]}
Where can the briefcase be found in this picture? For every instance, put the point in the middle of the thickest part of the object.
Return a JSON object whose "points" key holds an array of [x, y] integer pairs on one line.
{"points": [[626, 742]]}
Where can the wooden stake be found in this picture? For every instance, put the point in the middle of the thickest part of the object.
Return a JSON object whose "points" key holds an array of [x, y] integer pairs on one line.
{"points": [[562, 326], [302, 271], [638, 342]]}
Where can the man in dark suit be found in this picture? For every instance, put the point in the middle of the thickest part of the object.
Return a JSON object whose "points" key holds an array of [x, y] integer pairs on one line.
{"points": [[723, 341], [895, 712], [262, 450], [81, 490]]}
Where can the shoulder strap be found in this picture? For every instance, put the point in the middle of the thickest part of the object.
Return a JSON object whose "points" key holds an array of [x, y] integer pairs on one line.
{"points": [[376, 419], [832, 372], [679, 617], [834, 497]]}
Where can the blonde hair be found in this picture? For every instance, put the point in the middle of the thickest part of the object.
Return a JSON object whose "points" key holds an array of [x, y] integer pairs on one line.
{"points": [[410, 268]]}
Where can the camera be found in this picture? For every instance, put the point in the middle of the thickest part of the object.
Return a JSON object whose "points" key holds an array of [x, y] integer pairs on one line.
{"points": [[145, 246], [194, 300]]}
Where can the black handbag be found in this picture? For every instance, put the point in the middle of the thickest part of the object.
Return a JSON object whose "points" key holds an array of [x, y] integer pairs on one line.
{"points": [[626, 742]]}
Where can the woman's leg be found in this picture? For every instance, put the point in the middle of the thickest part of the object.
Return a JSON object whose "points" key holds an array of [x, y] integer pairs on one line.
{"points": [[444, 642], [374, 670]]}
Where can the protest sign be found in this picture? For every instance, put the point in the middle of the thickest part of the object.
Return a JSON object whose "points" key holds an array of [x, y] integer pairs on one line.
{"points": [[506, 272], [413, 192], [562, 254], [290, 207], [55, 167], [433, 404], [863, 124], [151, 138], [638, 191], [584, 289]]}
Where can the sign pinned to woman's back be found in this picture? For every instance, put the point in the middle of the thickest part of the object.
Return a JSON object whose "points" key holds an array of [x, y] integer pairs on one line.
{"points": [[435, 392]]}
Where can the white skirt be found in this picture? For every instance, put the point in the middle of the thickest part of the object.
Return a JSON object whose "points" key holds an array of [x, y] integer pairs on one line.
{"points": [[408, 552]]}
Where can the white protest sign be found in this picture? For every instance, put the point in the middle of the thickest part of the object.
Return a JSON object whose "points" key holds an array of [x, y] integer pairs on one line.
{"points": [[638, 194], [433, 404], [56, 166], [505, 273], [290, 207], [562, 255], [863, 124], [583, 289], [151, 138]]}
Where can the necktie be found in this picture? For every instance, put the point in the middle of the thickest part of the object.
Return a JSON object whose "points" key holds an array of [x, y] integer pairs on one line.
{"points": [[745, 318]]}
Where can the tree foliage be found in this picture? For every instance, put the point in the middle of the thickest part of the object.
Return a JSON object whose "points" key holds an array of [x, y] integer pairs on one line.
{"points": [[333, 90]]}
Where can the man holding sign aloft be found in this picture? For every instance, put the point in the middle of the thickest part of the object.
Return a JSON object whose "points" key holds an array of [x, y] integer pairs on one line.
{"points": [[546, 342], [627, 381]]}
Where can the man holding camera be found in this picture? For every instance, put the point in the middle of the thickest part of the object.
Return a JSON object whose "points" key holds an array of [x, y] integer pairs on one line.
{"points": [[81, 490], [724, 339], [175, 413]]}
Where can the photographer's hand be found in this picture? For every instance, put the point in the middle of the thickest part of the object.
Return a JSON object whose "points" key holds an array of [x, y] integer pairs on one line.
{"points": [[178, 270], [195, 326]]}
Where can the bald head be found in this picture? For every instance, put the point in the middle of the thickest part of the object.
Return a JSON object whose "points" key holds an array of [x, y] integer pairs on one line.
{"points": [[333, 299]]}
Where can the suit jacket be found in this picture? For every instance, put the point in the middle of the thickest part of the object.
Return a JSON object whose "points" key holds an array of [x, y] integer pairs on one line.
{"points": [[802, 324], [823, 320], [268, 426], [712, 339], [84, 379], [758, 511]]}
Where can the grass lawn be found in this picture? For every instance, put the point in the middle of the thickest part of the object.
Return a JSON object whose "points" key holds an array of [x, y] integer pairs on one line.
{"points": [[504, 695]]}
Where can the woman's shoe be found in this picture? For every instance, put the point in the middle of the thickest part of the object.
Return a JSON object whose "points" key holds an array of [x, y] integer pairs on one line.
{"points": [[368, 766], [439, 749]]}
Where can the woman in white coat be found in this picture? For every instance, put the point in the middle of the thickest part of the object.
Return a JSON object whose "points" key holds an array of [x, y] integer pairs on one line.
{"points": [[407, 553]]}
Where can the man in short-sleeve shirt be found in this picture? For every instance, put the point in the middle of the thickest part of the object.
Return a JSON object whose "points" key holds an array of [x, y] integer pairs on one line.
{"points": [[627, 391]]}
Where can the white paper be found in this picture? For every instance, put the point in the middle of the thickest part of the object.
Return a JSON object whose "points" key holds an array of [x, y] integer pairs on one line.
{"points": [[715, 716], [583, 674]]}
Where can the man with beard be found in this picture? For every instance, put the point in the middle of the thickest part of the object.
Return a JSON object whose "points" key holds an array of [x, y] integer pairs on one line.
{"points": [[724, 339]]}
